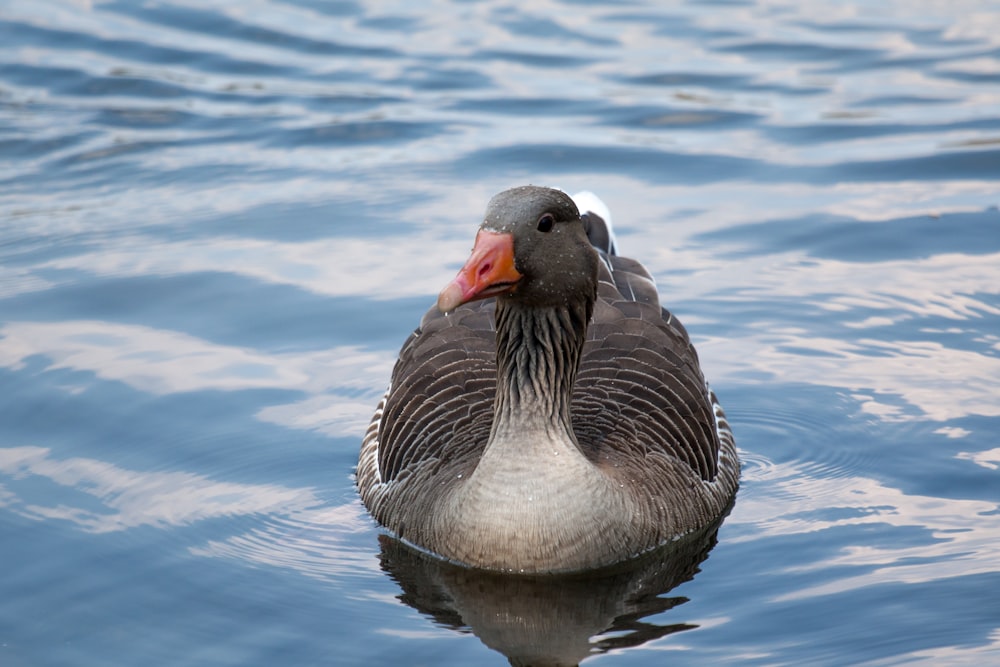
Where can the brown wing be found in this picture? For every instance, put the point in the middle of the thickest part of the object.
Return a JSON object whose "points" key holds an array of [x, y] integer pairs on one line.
{"points": [[640, 386], [439, 409]]}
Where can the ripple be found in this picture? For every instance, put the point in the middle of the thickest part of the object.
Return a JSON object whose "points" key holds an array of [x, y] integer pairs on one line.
{"points": [[638, 162], [657, 118], [756, 467], [536, 59], [99, 497], [214, 24], [854, 240], [719, 82], [822, 133], [145, 52], [362, 132], [799, 51], [316, 543], [785, 446]]}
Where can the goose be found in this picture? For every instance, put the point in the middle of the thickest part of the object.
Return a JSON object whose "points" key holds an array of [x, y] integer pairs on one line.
{"points": [[548, 415]]}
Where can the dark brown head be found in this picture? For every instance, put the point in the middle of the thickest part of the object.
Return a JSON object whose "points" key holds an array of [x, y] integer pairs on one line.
{"points": [[531, 248]]}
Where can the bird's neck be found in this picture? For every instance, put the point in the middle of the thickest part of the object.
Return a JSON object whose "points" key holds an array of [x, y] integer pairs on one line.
{"points": [[538, 354]]}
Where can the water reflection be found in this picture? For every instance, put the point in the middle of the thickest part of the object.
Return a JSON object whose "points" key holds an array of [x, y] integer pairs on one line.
{"points": [[919, 538], [100, 497], [341, 382], [342, 266], [551, 621], [935, 382], [292, 527]]}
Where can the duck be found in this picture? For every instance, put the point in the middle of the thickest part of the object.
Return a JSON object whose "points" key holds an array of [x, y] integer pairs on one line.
{"points": [[547, 415]]}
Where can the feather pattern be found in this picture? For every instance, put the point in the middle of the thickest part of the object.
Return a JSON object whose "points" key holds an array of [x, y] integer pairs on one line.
{"points": [[640, 410]]}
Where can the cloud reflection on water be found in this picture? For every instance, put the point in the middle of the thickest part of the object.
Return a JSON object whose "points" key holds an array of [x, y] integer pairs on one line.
{"points": [[961, 534], [851, 324], [342, 383], [294, 528], [376, 267], [938, 383], [133, 498]]}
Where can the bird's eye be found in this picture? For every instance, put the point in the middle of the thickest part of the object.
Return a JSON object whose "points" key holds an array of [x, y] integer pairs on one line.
{"points": [[545, 223]]}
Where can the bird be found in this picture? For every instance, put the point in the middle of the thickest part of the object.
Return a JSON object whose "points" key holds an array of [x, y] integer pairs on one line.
{"points": [[548, 415]]}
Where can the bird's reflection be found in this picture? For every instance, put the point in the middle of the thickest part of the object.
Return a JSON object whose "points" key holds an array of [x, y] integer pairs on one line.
{"points": [[555, 620]]}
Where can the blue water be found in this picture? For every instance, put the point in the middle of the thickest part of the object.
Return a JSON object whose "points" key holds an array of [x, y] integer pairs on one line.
{"points": [[219, 220]]}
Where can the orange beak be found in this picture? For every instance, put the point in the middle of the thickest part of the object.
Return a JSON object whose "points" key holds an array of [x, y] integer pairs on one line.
{"points": [[489, 271]]}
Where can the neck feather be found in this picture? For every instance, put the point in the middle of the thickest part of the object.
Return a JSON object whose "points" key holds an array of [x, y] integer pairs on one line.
{"points": [[538, 354]]}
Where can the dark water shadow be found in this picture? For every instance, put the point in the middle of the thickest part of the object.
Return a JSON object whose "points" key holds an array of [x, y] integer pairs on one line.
{"points": [[554, 620]]}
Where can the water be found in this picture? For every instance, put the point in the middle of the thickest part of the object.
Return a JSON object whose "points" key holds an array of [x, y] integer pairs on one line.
{"points": [[219, 220]]}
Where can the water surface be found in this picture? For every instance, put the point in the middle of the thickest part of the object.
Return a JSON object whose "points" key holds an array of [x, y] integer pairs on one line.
{"points": [[219, 220]]}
